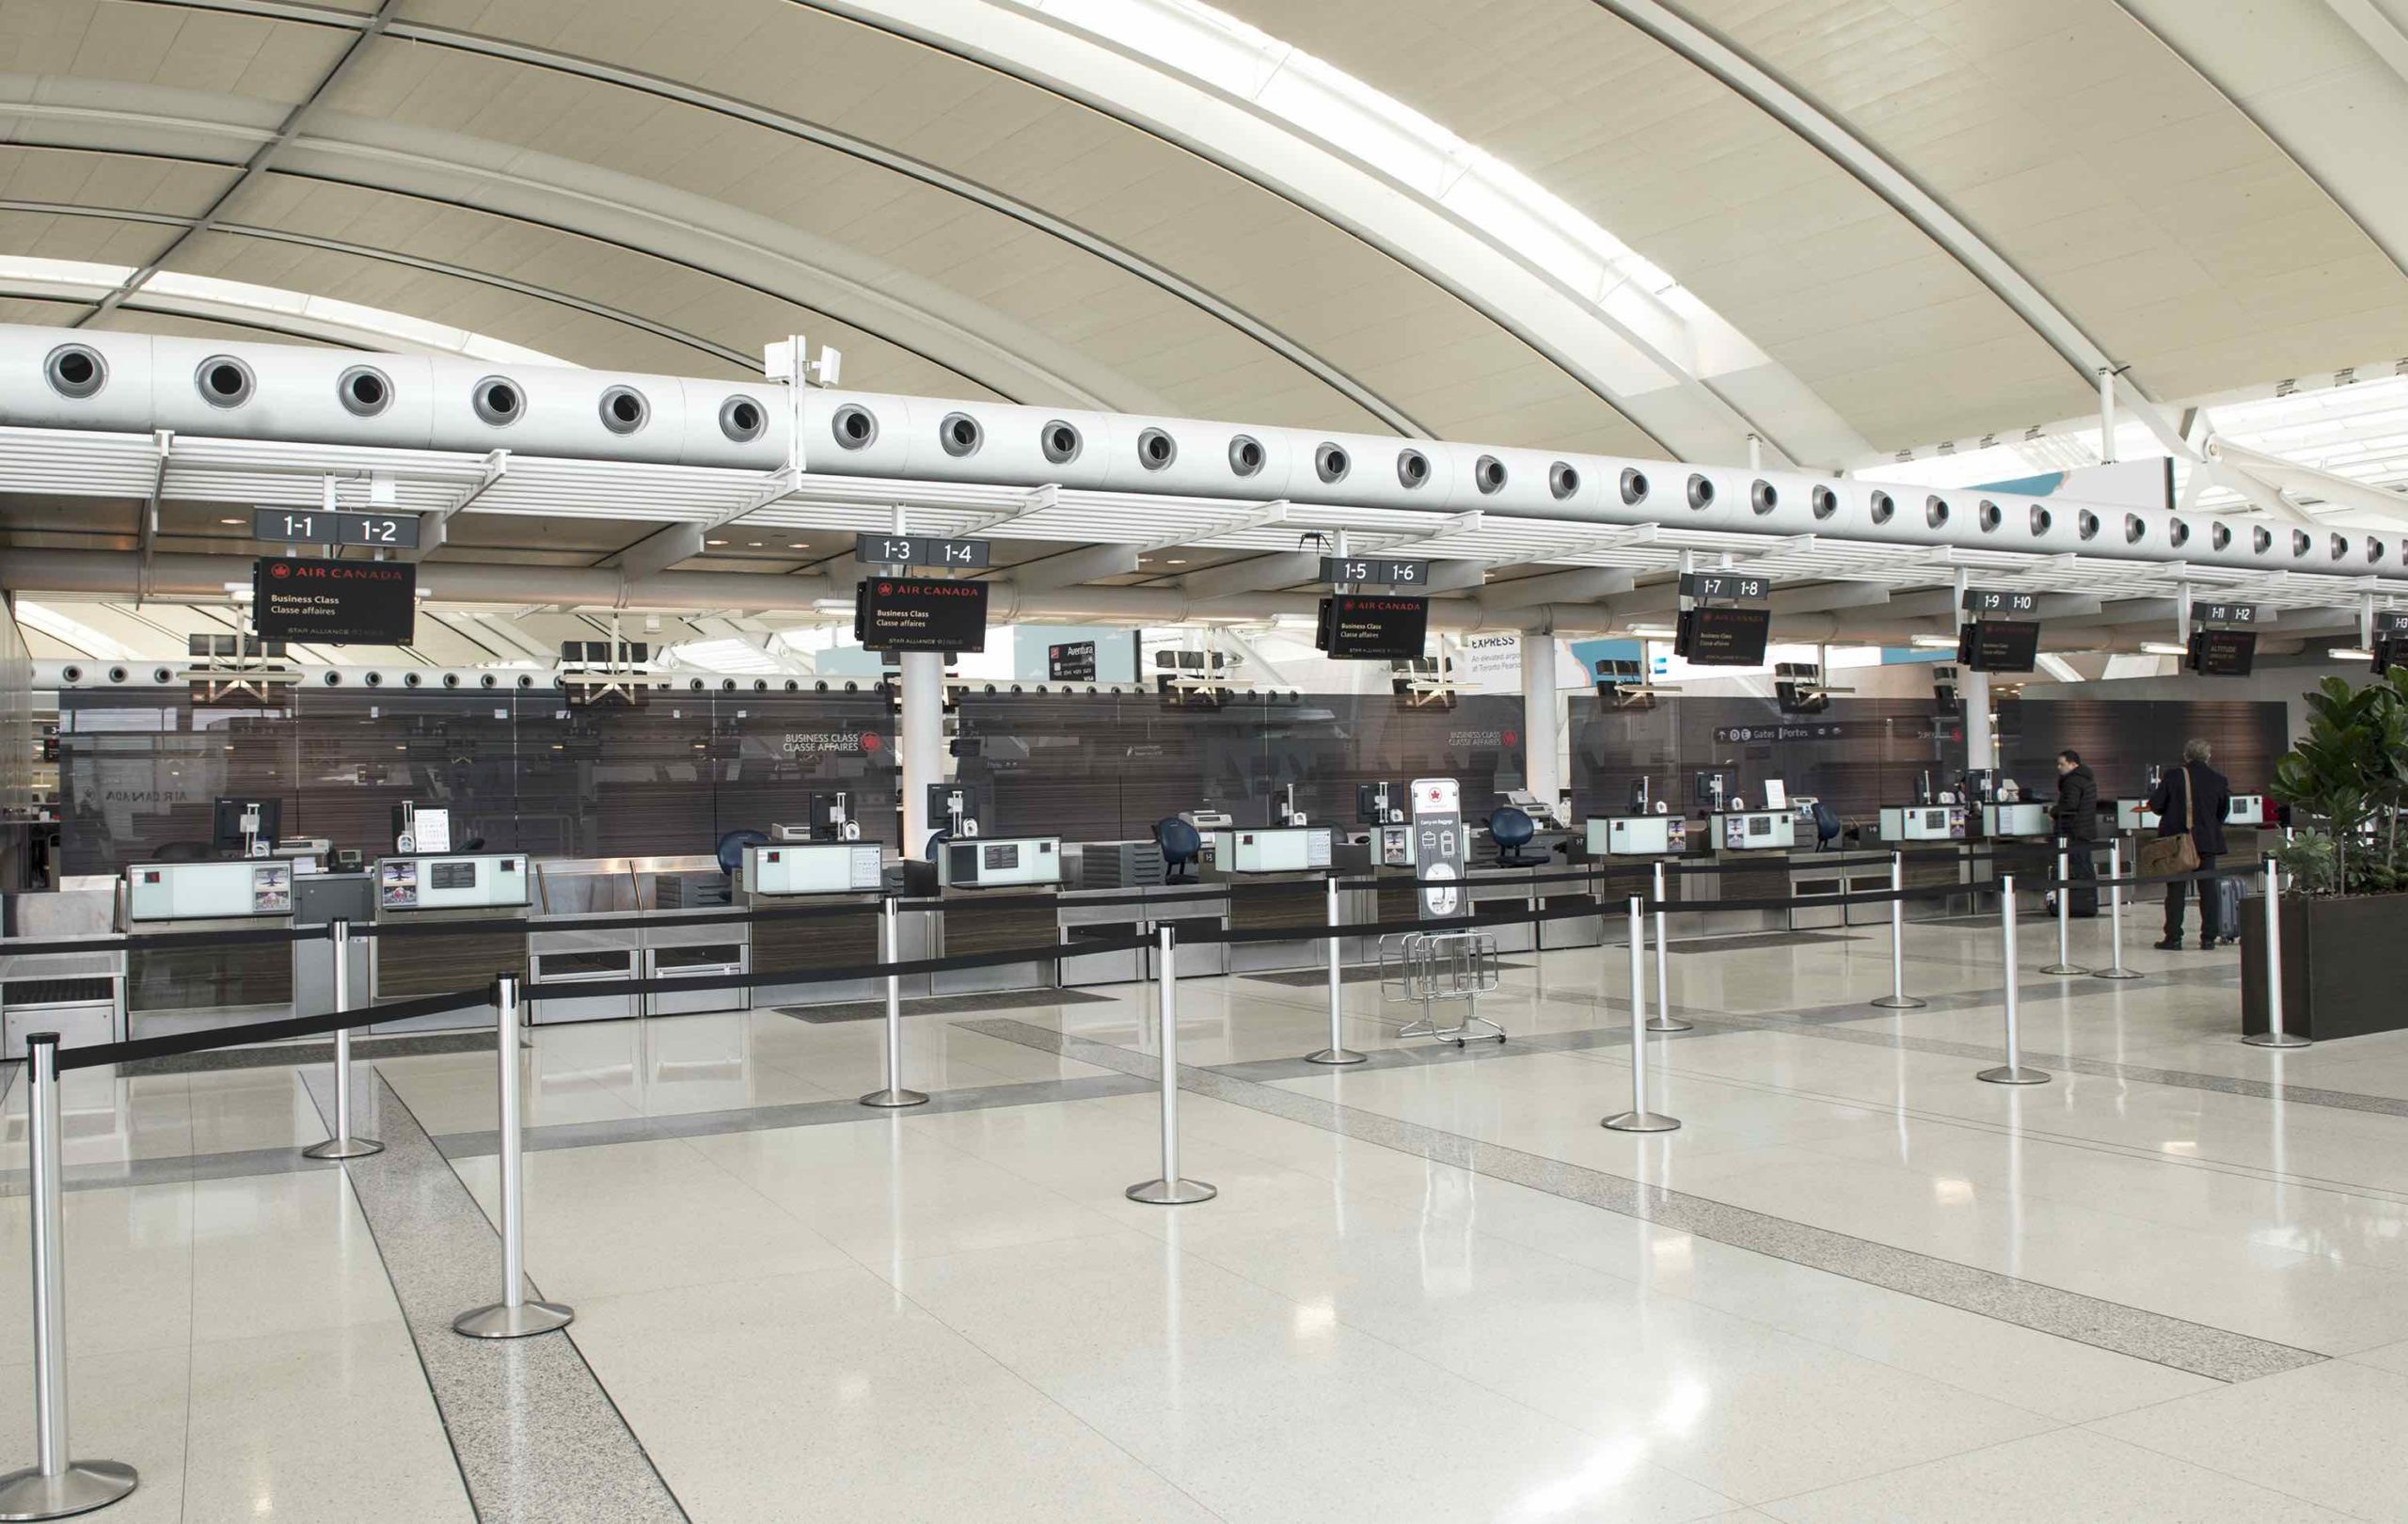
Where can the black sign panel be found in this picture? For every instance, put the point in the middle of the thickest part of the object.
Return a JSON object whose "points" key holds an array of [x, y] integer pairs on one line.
{"points": [[920, 550], [1372, 626], [1723, 637], [2223, 653], [2223, 614], [2390, 650], [1998, 645], [2391, 621], [1988, 600], [1726, 587], [323, 526], [1787, 730], [1373, 571], [335, 602], [1071, 662], [920, 613]]}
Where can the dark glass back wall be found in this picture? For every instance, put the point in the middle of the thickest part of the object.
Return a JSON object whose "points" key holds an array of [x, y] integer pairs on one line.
{"points": [[138, 771], [1856, 756]]}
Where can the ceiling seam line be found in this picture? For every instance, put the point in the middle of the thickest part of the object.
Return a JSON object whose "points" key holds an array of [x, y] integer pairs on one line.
{"points": [[1291, 350], [1752, 81], [257, 165], [2397, 262]]}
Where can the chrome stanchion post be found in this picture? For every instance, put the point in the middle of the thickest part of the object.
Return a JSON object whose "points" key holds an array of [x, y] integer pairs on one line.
{"points": [[893, 1096], [2065, 964], [2274, 1036], [1663, 1020], [1169, 1189], [1337, 1053], [1639, 1119], [2115, 969], [2012, 1072], [55, 1485], [513, 1316], [343, 1145], [1897, 999]]}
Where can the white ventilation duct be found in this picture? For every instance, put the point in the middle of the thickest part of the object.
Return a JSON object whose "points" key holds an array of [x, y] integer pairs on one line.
{"points": [[134, 383]]}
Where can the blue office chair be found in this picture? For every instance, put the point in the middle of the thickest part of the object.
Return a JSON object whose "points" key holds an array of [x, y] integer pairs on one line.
{"points": [[1511, 827], [1181, 845], [1826, 825], [731, 848]]}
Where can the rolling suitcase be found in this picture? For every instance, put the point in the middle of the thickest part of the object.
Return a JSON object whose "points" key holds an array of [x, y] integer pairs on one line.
{"points": [[2226, 897]]}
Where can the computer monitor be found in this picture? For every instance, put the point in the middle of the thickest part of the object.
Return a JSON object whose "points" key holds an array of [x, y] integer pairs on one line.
{"points": [[1712, 787], [827, 814], [227, 830]]}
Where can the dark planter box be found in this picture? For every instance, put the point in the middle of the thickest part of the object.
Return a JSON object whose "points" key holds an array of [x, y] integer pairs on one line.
{"points": [[2345, 965]]}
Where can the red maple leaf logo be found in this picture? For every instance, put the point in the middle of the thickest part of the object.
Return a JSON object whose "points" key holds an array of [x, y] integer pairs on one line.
{"points": [[870, 742], [279, 569], [884, 588]]}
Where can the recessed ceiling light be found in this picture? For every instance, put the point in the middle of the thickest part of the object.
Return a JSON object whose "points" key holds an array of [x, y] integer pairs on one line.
{"points": [[799, 545], [230, 521], [1176, 561], [714, 542], [752, 544]]}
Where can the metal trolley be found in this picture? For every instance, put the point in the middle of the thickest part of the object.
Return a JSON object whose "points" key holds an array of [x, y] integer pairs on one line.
{"points": [[1426, 967]]}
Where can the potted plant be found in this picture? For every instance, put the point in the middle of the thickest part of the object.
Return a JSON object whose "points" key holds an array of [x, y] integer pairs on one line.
{"points": [[2343, 916]]}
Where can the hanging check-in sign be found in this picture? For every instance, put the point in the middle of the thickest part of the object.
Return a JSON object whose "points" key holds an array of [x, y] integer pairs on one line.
{"points": [[921, 550], [1991, 600], [2226, 613], [1726, 587]]}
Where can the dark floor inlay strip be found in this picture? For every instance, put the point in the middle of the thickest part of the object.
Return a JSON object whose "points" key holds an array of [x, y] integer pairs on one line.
{"points": [[536, 1435], [955, 1005], [271, 1055], [2216, 1353]]}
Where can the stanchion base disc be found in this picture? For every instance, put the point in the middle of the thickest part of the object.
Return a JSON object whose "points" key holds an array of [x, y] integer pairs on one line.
{"points": [[82, 1487], [1669, 1023], [894, 1100], [1640, 1122], [501, 1322], [343, 1148], [2064, 969], [2278, 1040], [2116, 973], [2004, 1075], [1898, 1003], [1180, 1192], [1335, 1056]]}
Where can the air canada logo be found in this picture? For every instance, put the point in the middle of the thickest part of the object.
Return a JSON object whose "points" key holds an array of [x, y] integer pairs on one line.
{"points": [[885, 589], [279, 569], [870, 742]]}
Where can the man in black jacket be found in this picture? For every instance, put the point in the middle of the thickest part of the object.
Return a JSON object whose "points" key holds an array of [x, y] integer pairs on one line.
{"points": [[2197, 792], [2075, 815]]}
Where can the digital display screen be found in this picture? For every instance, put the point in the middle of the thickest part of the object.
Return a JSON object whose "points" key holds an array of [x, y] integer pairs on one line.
{"points": [[1998, 645], [1362, 626], [451, 875], [2223, 653], [1723, 637]]}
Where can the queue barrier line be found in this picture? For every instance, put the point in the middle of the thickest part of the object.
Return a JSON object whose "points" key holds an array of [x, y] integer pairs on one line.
{"points": [[133, 1050]]}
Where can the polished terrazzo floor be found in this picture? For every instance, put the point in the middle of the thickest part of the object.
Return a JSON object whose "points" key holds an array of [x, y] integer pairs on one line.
{"points": [[1857, 1284]]}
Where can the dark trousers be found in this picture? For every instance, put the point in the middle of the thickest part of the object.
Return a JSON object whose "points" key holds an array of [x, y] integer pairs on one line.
{"points": [[2081, 869], [2173, 895]]}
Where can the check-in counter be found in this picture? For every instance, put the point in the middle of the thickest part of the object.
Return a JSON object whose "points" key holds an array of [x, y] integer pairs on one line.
{"points": [[436, 930], [208, 984], [984, 921], [817, 905], [79, 995], [584, 890]]}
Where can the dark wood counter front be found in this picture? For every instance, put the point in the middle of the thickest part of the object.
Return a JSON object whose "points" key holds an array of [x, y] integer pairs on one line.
{"points": [[437, 963], [816, 941], [1263, 904], [971, 927]]}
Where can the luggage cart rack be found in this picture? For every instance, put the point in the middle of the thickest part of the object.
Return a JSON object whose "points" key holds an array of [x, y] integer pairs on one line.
{"points": [[1424, 968]]}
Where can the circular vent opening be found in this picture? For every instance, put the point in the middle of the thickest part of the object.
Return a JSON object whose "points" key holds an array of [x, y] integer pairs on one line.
{"points": [[1330, 463], [1634, 485], [365, 390], [450, 679], [2261, 540], [76, 370], [2178, 534], [623, 410], [1935, 511], [1990, 516], [1764, 497], [741, 419], [961, 435], [1061, 442], [410, 679], [2374, 550], [1701, 493], [1562, 479], [375, 679], [497, 400], [854, 426], [2136, 529], [224, 381], [1488, 474], [1156, 449], [2340, 547], [2042, 519], [1246, 455], [2086, 524], [2219, 536], [1412, 468], [2301, 542], [118, 675], [1823, 501], [1885, 507]]}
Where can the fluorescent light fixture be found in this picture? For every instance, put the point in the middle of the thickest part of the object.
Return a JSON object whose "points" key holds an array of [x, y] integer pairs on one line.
{"points": [[2164, 648], [1659, 631], [2351, 653], [1933, 643]]}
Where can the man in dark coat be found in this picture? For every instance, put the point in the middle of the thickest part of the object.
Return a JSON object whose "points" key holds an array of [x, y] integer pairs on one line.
{"points": [[2208, 796], [2075, 814]]}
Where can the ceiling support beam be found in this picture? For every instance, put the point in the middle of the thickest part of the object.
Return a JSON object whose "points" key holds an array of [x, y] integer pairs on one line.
{"points": [[1070, 568], [1580, 584], [1829, 596], [1261, 574], [659, 551]]}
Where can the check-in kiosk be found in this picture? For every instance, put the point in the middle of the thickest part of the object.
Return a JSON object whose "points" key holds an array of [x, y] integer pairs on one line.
{"points": [[1754, 831], [420, 896], [1924, 822], [1004, 862], [1273, 850], [2132, 817], [2245, 810], [207, 985], [977, 918], [819, 878], [2024, 819], [1274, 877], [1638, 835]]}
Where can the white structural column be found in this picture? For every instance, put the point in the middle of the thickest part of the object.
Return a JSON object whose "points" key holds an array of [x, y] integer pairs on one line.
{"points": [[922, 742], [1542, 761], [1980, 751]]}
